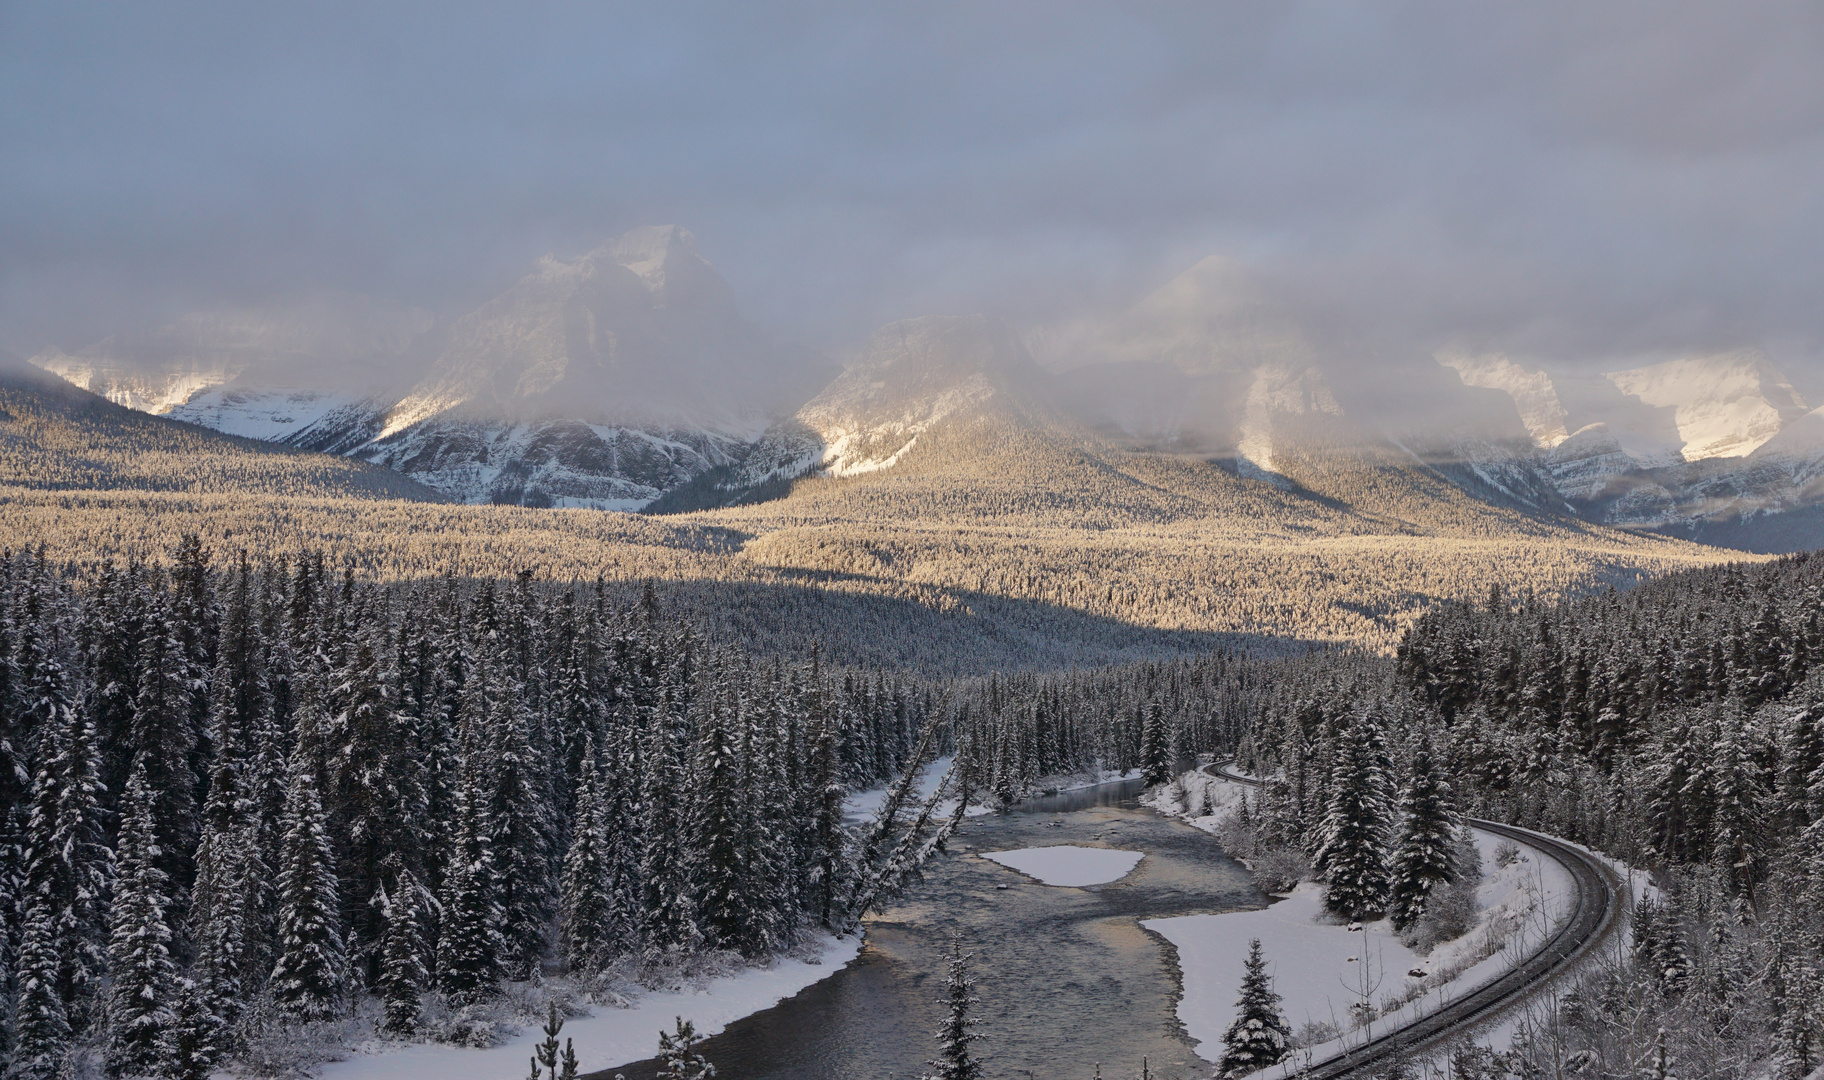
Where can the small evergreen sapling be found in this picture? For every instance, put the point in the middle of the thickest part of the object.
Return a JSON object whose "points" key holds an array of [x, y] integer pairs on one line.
{"points": [[1259, 1036], [955, 1061], [678, 1049]]}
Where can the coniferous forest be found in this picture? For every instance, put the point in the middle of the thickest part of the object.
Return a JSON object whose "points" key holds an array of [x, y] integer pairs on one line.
{"points": [[247, 797]]}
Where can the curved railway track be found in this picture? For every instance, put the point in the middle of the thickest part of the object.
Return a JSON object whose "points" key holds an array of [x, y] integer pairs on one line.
{"points": [[1596, 916]]}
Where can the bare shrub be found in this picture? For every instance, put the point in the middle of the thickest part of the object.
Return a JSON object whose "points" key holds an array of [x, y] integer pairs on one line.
{"points": [[1278, 870]]}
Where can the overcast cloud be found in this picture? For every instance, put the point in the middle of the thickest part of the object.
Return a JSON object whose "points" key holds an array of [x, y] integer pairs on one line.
{"points": [[1566, 179]]}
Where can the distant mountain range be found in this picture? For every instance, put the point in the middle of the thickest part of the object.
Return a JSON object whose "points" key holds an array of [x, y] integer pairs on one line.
{"points": [[627, 379]]}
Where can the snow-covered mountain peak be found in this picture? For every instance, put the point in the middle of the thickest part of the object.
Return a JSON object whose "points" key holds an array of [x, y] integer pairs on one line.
{"points": [[1534, 396], [1724, 405], [645, 250]]}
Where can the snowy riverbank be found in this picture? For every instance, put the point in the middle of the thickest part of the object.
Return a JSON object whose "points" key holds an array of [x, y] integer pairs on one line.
{"points": [[609, 1036], [1358, 983]]}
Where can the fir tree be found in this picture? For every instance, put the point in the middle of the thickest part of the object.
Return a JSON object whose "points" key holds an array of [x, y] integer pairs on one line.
{"points": [[1353, 853], [1422, 858], [469, 945], [191, 1045], [1155, 757], [678, 1054], [41, 1025], [955, 1060], [1258, 1036], [142, 975], [402, 950], [587, 908], [308, 975], [721, 900], [68, 866]]}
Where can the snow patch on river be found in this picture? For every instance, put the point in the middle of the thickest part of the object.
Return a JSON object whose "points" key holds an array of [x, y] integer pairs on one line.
{"points": [[1069, 865]]}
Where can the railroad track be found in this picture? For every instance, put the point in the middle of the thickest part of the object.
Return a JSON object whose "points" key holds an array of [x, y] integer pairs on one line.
{"points": [[1601, 900]]}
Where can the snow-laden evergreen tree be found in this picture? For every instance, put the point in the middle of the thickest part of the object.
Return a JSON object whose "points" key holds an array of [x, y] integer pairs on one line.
{"points": [[1155, 753], [498, 733], [68, 867], [1423, 856], [376, 782], [669, 917], [721, 878], [142, 977], [827, 839], [41, 1024], [403, 904], [955, 1035], [678, 1055], [164, 737], [1353, 853], [1259, 1035], [587, 907], [223, 912], [308, 976], [469, 944], [192, 1044]]}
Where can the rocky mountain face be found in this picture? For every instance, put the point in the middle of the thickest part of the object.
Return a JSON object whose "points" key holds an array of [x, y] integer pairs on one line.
{"points": [[627, 379], [600, 382], [1719, 447]]}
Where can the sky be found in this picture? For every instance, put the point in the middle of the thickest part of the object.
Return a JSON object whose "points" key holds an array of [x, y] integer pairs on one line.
{"points": [[1558, 179]]}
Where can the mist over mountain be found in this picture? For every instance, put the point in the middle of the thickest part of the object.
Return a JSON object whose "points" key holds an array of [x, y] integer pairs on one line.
{"points": [[627, 378]]}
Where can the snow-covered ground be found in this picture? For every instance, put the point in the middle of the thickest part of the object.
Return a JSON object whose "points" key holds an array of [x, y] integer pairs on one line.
{"points": [[1326, 972], [610, 1036], [863, 805], [1069, 865]]}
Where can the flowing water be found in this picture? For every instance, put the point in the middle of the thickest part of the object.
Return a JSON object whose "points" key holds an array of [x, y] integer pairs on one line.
{"points": [[1067, 978]]}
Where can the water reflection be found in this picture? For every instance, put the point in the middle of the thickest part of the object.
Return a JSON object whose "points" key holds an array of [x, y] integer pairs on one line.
{"points": [[1067, 977]]}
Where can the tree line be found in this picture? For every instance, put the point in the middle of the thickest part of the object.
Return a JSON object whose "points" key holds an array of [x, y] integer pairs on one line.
{"points": [[255, 793]]}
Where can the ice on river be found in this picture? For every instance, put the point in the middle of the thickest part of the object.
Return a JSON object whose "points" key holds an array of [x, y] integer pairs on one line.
{"points": [[1066, 864]]}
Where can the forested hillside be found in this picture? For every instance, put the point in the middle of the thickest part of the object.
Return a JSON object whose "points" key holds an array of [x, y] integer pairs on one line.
{"points": [[241, 799], [1679, 726], [55, 437]]}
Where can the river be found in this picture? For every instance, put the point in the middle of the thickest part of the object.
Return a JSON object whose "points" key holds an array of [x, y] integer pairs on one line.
{"points": [[1067, 978]]}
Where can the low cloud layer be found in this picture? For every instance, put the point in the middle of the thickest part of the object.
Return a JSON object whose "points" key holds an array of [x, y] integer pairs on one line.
{"points": [[1559, 180]]}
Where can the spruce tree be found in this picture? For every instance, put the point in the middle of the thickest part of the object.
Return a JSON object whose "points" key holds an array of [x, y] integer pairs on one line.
{"points": [[308, 974], [469, 945], [1258, 1036], [142, 976], [41, 1024], [955, 1060], [1155, 756], [587, 908], [1422, 858], [68, 866], [192, 1043], [228, 870], [678, 1054], [1353, 852], [721, 899], [402, 949]]}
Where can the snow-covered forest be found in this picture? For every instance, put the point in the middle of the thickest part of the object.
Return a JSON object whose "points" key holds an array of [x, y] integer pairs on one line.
{"points": [[247, 797], [244, 798], [1678, 726]]}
